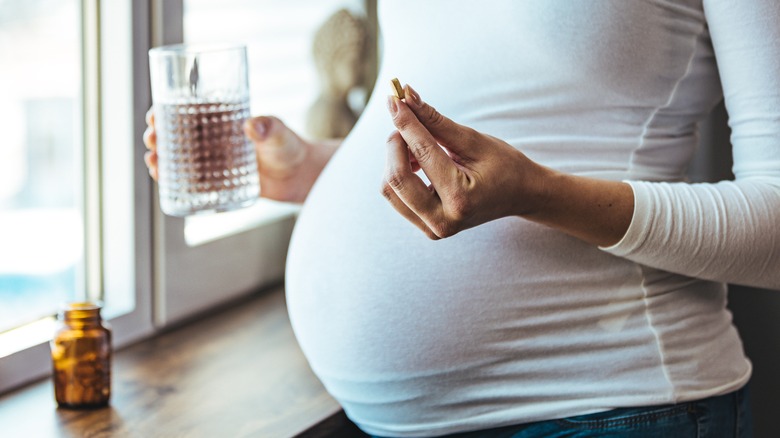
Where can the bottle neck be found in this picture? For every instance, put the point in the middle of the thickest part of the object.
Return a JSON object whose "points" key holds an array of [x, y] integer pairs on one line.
{"points": [[82, 315]]}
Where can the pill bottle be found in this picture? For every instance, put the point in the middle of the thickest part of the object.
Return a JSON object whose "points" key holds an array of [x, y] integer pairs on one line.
{"points": [[81, 357]]}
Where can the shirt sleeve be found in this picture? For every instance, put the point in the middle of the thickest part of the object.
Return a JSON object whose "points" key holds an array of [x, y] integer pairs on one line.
{"points": [[727, 231]]}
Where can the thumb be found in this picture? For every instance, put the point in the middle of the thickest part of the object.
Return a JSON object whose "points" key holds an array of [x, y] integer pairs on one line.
{"points": [[453, 136], [267, 131], [277, 146]]}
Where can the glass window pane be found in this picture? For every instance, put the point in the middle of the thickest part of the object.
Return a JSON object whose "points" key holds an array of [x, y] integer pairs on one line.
{"points": [[41, 220], [279, 35]]}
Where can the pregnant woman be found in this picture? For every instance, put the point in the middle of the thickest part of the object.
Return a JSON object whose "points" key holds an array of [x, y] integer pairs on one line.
{"points": [[527, 259]]}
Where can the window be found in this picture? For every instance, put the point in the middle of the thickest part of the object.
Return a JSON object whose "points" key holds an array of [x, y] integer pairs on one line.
{"points": [[41, 214], [67, 230]]}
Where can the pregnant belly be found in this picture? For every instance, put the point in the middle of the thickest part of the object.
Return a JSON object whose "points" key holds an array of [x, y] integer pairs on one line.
{"points": [[402, 330], [370, 293]]}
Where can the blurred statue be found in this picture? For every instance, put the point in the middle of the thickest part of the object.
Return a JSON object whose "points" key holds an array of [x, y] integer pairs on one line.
{"points": [[342, 50]]}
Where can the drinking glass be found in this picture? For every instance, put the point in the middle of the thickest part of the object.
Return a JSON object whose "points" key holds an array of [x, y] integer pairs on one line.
{"points": [[200, 96]]}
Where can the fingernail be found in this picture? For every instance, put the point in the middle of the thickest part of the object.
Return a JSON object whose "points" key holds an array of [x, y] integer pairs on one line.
{"points": [[412, 96], [392, 104], [260, 127]]}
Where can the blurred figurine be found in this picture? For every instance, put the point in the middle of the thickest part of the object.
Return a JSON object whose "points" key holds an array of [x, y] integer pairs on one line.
{"points": [[341, 51]]}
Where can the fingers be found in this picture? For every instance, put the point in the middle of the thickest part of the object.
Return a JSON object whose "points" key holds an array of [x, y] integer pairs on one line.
{"points": [[433, 160], [406, 192], [150, 158], [150, 140], [150, 117], [408, 214], [455, 137], [413, 161], [150, 135]]}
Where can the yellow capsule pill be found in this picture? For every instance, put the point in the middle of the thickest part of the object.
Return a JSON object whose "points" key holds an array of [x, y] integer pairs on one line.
{"points": [[398, 90]]}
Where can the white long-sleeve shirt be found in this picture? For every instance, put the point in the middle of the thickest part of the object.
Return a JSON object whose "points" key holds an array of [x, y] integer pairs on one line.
{"points": [[511, 321]]}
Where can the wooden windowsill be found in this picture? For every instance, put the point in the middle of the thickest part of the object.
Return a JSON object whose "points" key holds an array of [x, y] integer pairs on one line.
{"points": [[237, 373]]}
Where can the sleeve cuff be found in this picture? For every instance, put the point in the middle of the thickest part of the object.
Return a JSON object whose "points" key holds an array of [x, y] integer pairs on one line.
{"points": [[641, 222]]}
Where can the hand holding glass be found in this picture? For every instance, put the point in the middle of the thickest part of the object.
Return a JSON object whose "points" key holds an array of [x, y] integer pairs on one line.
{"points": [[200, 97]]}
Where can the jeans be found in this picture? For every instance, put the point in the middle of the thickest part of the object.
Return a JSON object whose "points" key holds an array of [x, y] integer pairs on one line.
{"points": [[715, 417]]}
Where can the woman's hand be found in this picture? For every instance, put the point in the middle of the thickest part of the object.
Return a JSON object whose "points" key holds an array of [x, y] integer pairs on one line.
{"points": [[476, 178], [150, 140], [287, 165]]}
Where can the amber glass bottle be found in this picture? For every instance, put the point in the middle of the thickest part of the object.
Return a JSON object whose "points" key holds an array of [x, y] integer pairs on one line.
{"points": [[81, 356]]}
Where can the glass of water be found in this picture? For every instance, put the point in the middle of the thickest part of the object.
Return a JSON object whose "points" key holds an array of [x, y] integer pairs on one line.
{"points": [[200, 96]]}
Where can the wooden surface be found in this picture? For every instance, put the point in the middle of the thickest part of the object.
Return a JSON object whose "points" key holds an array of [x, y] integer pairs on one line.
{"points": [[238, 373]]}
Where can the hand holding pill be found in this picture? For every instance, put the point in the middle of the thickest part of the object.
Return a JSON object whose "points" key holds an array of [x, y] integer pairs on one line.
{"points": [[475, 178]]}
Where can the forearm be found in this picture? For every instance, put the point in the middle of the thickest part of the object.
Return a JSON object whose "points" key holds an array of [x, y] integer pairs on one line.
{"points": [[593, 210], [723, 232]]}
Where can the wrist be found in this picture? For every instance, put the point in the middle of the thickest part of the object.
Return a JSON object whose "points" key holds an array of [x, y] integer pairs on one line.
{"points": [[538, 191]]}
